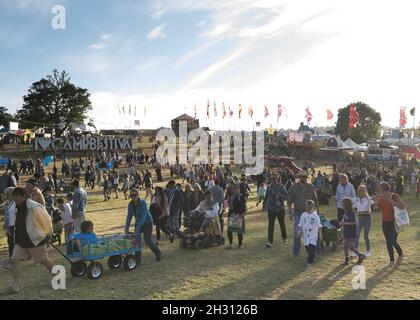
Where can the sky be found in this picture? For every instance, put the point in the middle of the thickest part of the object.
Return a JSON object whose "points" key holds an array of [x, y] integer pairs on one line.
{"points": [[170, 55]]}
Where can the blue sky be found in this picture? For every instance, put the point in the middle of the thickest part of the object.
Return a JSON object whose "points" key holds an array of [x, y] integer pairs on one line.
{"points": [[169, 55]]}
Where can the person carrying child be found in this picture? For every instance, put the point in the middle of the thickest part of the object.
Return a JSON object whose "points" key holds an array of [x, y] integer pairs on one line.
{"points": [[349, 229], [309, 228]]}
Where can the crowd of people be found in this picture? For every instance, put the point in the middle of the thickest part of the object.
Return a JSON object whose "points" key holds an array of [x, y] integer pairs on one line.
{"points": [[221, 193]]}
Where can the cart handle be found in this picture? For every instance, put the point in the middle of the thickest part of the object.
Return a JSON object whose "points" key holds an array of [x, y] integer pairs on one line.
{"points": [[59, 251]]}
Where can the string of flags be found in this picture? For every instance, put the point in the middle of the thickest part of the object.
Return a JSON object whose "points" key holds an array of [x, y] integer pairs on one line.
{"points": [[354, 116]]}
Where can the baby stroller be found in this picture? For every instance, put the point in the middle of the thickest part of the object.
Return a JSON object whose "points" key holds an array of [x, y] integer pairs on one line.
{"points": [[195, 235], [332, 233]]}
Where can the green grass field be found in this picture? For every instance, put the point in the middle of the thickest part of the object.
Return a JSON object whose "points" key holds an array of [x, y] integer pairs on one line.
{"points": [[250, 273]]}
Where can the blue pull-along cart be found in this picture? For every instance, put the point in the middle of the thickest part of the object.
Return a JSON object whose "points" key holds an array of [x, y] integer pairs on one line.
{"points": [[120, 249]]}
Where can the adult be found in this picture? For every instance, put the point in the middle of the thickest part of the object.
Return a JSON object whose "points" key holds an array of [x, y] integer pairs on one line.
{"points": [[210, 208], [219, 196], [160, 213], [363, 204], [148, 184], [137, 209], [33, 227], [9, 219], [33, 191], [79, 205], [386, 202], [175, 206], [344, 190], [299, 193], [237, 219], [274, 204]]}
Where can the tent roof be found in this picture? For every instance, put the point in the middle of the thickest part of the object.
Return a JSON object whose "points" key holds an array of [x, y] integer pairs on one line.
{"points": [[351, 143], [184, 117]]}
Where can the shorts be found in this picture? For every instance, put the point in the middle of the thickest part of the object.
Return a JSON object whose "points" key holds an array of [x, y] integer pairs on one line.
{"points": [[39, 254]]}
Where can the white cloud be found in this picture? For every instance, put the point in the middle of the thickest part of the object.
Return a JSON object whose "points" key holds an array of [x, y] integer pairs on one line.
{"points": [[157, 33], [102, 43]]}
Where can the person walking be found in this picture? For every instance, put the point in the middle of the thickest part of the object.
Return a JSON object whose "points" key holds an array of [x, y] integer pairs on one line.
{"points": [[79, 205], [137, 209], [363, 204], [33, 226], [299, 193], [386, 202], [344, 190], [274, 204]]}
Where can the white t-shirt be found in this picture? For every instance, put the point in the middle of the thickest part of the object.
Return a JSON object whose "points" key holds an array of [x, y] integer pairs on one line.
{"points": [[310, 223], [12, 213], [363, 204], [67, 214]]}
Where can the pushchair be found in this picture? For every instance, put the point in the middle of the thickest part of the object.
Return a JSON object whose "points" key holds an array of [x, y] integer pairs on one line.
{"points": [[332, 233], [195, 235]]}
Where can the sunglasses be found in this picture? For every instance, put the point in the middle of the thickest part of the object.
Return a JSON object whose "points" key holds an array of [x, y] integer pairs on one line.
{"points": [[133, 195]]}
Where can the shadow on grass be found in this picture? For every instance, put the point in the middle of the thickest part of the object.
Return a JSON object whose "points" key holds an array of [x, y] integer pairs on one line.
{"points": [[371, 284]]}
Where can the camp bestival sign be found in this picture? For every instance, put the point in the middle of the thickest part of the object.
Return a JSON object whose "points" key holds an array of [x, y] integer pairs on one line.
{"points": [[84, 144]]}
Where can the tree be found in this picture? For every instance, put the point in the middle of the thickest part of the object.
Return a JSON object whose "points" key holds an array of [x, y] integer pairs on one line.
{"points": [[55, 102], [5, 117], [369, 123]]}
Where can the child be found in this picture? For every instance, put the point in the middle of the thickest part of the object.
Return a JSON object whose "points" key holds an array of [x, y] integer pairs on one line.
{"points": [[349, 226], [261, 193], [67, 217], [87, 235], [309, 227]]}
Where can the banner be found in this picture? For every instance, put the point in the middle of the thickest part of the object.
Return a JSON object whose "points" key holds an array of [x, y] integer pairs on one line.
{"points": [[84, 144], [354, 117], [403, 117], [330, 115], [308, 115]]}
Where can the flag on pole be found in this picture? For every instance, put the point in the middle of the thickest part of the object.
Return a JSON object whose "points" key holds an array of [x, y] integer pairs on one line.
{"points": [[250, 111], [119, 110], [214, 109], [285, 112], [354, 117], [403, 117], [240, 111], [279, 111], [266, 112], [195, 111], [224, 110], [129, 109], [145, 111], [135, 111], [308, 115], [230, 112], [123, 108], [208, 109], [330, 115], [413, 112]]}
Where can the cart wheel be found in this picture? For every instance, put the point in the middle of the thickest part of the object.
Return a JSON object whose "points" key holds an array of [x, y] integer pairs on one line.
{"points": [[78, 268], [114, 262], [182, 244], [95, 271], [220, 241], [130, 262], [199, 244]]}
